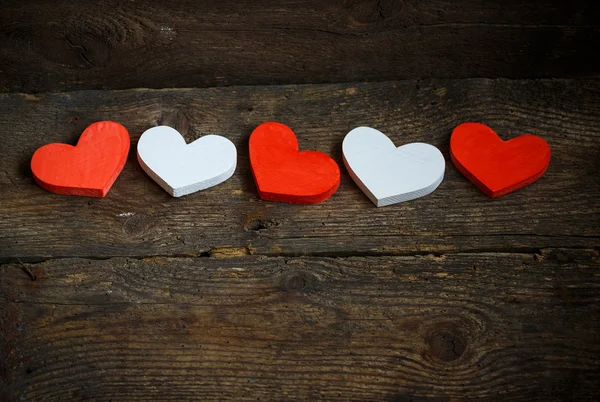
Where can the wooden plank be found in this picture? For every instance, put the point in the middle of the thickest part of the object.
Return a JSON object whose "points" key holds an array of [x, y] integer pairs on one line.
{"points": [[56, 46], [139, 219], [472, 326]]}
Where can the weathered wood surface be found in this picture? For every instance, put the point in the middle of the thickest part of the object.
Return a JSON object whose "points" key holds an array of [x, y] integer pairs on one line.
{"points": [[138, 219], [61, 45], [490, 326]]}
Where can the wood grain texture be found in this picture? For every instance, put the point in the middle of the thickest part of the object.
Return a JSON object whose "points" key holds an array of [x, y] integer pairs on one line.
{"points": [[59, 45], [492, 326], [138, 219]]}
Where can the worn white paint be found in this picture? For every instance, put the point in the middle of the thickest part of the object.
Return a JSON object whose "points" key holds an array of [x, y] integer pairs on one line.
{"points": [[388, 175], [181, 168], [125, 214]]}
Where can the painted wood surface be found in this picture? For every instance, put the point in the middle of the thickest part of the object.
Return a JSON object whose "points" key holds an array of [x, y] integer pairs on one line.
{"points": [[477, 326], [559, 210], [55, 46], [283, 173], [495, 166], [88, 169], [181, 168], [389, 175]]}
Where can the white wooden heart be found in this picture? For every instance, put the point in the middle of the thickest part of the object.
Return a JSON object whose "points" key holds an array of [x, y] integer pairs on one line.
{"points": [[388, 175], [181, 168]]}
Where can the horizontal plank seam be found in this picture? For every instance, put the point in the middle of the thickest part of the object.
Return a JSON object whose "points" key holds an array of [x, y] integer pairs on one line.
{"points": [[529, 252], [401, 235], [591, 78], [398, 28]]}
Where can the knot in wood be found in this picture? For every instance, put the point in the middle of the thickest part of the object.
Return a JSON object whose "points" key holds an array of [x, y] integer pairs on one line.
{"points": [[137, 225], [372, 11], [261, 224], [299, 282], [446, 345], [78, 48], [177, 120]]}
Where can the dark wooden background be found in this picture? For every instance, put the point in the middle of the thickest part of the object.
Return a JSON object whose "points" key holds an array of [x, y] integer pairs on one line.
{"points": [[221, 296]]}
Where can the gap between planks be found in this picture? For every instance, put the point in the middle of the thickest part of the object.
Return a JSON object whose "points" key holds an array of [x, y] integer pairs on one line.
{"points": [[244, 252]]}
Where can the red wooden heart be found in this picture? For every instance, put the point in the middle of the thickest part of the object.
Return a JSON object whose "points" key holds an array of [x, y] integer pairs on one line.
{"points": [[88, 169], [283, 174], [498, 167]]}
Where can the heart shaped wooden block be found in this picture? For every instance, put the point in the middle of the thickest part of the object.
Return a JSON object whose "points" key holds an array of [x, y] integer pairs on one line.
{"points": [[181, 168], [88, 169], [388, 175], [495, 166], [282, 173]]}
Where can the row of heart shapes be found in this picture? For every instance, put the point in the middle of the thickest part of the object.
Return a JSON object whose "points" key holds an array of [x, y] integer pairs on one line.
{"points": [[386, 174]]}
